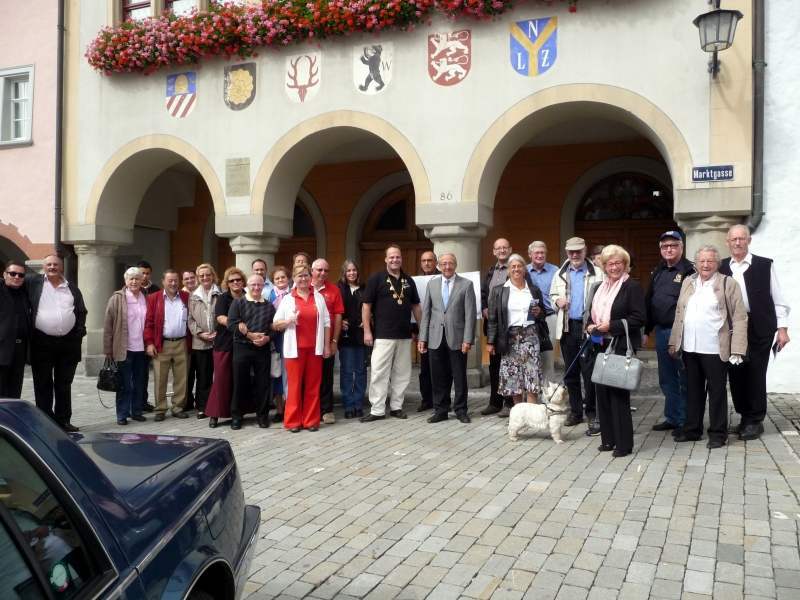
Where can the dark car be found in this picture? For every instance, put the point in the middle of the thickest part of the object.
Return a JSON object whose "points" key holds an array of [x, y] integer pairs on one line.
{"points": [[118, 515]]}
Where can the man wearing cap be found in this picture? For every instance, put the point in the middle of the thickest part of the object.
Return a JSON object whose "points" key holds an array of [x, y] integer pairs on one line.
{"points": [[542, 273], [569, 294], [661, 299], [767, 328]]}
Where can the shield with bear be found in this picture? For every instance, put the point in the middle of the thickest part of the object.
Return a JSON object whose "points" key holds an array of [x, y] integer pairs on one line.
{"points": [[372, 67]]}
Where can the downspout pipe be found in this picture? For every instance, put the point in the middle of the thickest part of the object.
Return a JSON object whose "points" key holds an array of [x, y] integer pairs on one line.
{"points": [[759, 68], [59, 134]]}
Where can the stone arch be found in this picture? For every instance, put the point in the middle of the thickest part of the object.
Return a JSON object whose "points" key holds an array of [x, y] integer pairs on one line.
{"points": [[123, 180], [363, 208], [312, 208], [634, 164], [282, 171], [556, 104]]}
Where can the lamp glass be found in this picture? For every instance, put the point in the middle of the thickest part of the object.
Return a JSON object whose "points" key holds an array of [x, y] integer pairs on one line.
{"points": [[717, 29]]}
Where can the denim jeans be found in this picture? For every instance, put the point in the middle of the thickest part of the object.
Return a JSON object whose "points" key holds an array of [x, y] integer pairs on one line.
{"points": [[132, 374], [352, 376], [672, 379]]}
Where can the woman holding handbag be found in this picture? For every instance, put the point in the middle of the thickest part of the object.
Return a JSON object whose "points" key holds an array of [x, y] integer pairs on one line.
{"points": [[123, 342], [615, 303]]}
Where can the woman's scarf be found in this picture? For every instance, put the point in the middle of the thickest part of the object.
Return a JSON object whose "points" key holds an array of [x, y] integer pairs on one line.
{"points": [[604, 298]]}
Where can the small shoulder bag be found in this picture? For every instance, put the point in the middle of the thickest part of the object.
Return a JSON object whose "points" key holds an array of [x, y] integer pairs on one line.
{"points": [[615, 370]]}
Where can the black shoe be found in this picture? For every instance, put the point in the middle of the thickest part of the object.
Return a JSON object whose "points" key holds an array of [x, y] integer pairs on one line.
{"points": [[398, 414], [677, 431], [663, 426], [572, 420], [620, 453], [359, 413], [69, 428], [148, 407], [714, 444], [201, 415], [490, 410], [686, 438], [180, 415], [263, 423], [437, 418], [295, 429], [122, 421], [594, 428], [278, 417], [424, 406], [140, 418], [159, 417], [348, 414], [370, 418], [313, 428], [751, 432], [605, 448], [212, 422], [735, 429], [236, 424], [464, 418]]}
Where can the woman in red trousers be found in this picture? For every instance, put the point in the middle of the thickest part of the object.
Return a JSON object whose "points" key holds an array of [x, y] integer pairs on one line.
{"points": [[304, 317]]}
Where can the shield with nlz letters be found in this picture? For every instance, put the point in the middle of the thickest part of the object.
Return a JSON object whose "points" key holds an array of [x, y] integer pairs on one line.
{"points": [[534, 45]]}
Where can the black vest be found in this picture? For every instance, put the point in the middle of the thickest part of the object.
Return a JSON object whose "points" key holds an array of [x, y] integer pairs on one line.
{"points": [[762, 320]]}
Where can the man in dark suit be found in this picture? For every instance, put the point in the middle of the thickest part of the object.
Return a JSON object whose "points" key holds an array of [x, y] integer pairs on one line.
{"points": [[58, 314], [496, 275], [427, 264], [767, 315], [446, 333], [15, 329]]}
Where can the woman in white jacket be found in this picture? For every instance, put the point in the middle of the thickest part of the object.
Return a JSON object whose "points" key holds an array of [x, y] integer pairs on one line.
{"points": [[303, 316]]}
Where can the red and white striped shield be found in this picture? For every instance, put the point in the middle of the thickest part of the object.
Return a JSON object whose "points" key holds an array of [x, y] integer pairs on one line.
{"points": [[181, 94]]}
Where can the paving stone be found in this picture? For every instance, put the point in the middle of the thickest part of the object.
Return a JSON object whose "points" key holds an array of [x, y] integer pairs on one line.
{"points": [[482, 586], [787, 579], [634, 591], [610, 577], [729, 573], [579, 578], [727, 591], [698, 582], [759, 586], [664, 588], [569, 592]]}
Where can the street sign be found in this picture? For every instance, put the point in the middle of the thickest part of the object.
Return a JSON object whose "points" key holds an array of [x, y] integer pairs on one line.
{"points": [[712, 173]]}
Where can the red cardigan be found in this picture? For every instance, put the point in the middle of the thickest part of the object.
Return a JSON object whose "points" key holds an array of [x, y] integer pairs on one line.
{"points": [[154, 321]]}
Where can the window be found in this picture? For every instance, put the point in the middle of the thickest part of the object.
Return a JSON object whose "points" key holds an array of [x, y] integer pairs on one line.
{"points": [[136, 9], [46, 531], [16, 579], [180, 7], [16, 93], [626, 196]]}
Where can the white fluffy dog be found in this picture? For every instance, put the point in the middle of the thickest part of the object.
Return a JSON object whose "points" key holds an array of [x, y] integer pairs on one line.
{"points": [[541, 417]]}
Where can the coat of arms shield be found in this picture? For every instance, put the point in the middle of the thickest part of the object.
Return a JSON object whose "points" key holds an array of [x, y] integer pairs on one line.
{"points": [[372, 67], [181, 94], [449, 56], [533, 45], [240, 85]]}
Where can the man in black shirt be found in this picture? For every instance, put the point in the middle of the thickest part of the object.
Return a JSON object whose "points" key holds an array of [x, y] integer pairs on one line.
{"points": [[148, 287], [15, 329], [427, 263], [662, 297], [391, 296]]}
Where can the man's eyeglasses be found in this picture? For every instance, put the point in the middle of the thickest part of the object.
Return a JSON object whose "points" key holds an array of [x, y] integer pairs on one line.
{"points": [[670, 246], [15, 274]]}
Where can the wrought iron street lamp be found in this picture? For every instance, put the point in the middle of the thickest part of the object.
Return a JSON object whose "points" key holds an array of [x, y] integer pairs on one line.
{"points": [[717, 29]]}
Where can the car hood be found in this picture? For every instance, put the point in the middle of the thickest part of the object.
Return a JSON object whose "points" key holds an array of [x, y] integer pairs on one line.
{"points": [[131, 459]]}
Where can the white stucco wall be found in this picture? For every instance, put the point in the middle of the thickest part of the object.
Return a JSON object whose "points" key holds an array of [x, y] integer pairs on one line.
{"points": [[777, 235], [604, 43]]}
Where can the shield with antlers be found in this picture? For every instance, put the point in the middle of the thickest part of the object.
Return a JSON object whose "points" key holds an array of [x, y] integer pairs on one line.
{"points": [[303, 76]]}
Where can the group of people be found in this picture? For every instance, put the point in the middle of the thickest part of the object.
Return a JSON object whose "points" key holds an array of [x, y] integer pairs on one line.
{"points": [[254, 341]]}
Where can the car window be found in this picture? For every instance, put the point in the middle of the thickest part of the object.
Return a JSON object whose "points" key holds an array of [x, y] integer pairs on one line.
{"points": [[44, 524], [16, 580]]}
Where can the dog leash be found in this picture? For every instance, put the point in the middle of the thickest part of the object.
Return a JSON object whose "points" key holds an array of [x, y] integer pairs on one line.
{"points": [[569, 368]]}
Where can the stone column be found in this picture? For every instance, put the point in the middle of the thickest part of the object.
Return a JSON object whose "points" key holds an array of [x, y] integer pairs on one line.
{"points": [[465, 243], [702, 231], [250, 247], [96, 282]]}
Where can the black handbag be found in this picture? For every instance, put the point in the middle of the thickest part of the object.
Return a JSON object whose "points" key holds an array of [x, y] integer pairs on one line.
{"points": [[108, 377], [545, 345]]}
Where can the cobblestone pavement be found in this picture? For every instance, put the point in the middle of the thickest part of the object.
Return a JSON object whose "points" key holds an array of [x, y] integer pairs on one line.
{"points": [[404, 509]]}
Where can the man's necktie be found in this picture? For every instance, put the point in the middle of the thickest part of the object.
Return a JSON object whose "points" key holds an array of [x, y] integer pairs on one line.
{"points": [[446, 293]]}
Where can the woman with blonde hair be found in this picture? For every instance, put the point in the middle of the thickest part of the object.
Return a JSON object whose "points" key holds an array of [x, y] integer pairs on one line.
{"points": [[203, 327], [303, 317], [616, 299], [219, 400]]}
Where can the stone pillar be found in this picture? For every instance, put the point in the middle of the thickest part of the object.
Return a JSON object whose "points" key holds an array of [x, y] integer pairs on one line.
{"points": [[465, 243], [702, 231], [250, 247], [96, 282]]}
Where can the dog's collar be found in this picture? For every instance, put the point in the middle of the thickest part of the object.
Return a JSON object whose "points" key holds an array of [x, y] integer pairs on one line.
{"points": [[552, 411]]}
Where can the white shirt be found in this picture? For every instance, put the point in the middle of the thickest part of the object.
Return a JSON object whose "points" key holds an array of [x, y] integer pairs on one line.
{"points": [[286, 309], [519, 303], [781, 307], [703, 319], [56, 313], [175, 315]]}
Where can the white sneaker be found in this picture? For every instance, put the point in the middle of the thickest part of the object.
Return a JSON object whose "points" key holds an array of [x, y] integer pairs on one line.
{"points": [[329, 418]]}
